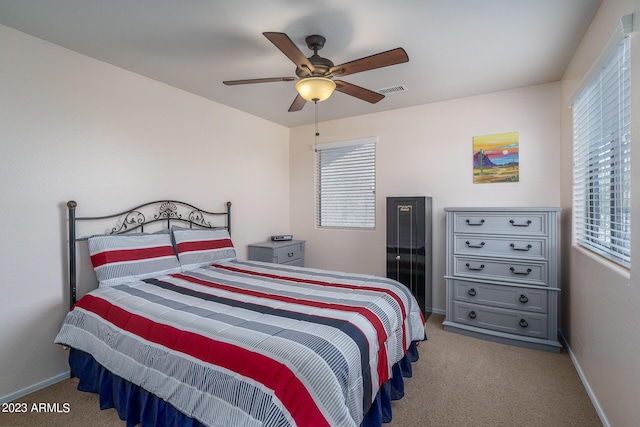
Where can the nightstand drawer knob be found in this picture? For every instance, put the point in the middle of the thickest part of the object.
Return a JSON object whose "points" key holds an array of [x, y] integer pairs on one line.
{"points": [[475, 223], [397, 257], [523, 299], [523, 323], [472, 292], [472, 315], [290, 254], [475, 268]]}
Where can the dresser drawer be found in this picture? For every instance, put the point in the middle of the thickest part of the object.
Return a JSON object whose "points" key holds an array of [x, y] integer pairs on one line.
{"points": [[534, 273], [500, 319], [527, 248], [504, 296], [517, 223]]}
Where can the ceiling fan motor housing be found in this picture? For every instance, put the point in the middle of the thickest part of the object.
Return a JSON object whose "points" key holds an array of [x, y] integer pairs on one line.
{"points": [[322, 65]]}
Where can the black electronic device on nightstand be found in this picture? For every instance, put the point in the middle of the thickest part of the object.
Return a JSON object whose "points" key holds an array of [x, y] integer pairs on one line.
{"points": [[282, 237]]}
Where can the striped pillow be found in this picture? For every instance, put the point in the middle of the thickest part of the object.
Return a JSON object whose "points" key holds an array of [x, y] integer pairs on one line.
{"points": [[123, 258], [202, 246]]}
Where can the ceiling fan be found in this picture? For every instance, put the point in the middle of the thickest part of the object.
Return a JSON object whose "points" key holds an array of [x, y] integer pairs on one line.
{"points": [[315, 74]]}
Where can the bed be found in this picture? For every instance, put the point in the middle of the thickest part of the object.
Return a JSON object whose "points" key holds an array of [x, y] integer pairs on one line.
{"points": [[181, 332]]}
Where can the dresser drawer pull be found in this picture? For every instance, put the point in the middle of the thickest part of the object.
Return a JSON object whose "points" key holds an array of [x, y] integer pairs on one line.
{"points": [[472, 315], [523, 299], [475, 246], [472, 292], [520, 249], [475, 268], [528, 223], [475, 223], [523, 273], [523, 323]]}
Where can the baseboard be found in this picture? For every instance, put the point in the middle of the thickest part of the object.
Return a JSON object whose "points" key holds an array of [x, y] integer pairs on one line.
{"points": [[437, 311], [585, 383], [31, 389]]}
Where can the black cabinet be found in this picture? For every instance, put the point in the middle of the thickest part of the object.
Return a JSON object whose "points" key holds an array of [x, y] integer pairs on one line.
{"points": [[409, 246]]}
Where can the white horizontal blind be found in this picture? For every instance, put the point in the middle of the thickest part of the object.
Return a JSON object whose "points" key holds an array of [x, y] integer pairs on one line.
{"points": [[346, 182], [602, 160]]}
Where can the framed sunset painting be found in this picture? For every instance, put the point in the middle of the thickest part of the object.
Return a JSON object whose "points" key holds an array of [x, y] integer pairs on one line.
{"points": [[496, 158]]}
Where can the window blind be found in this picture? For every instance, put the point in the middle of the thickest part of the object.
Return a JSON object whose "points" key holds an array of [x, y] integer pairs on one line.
{"points": [[346, 179], [602, 160]]}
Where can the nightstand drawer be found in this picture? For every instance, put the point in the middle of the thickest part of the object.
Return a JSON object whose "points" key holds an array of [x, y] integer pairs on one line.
{"points": [[500, 319], [533, 273], [517, 223], [288, 254], [512, 297]]}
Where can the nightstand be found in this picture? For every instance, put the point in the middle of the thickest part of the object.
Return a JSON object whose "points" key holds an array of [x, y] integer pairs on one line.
{"points": [[290, 252]]}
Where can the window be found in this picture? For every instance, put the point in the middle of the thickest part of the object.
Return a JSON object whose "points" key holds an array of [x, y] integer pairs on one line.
{"points": [[602, 159], [346, 184]]}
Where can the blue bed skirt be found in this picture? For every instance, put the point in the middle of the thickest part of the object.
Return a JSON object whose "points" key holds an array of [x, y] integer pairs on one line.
{"points": [[137, 406]]}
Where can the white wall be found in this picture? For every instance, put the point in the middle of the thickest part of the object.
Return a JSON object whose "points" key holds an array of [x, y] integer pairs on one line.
{"points": [[427, 150], [601, 302], [75, 128]]}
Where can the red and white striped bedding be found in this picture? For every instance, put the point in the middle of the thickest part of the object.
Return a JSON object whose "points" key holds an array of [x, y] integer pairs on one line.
{"points": [[250, 343]]}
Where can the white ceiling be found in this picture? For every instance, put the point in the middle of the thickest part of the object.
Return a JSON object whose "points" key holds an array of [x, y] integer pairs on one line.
{"points": [[456, 48]]}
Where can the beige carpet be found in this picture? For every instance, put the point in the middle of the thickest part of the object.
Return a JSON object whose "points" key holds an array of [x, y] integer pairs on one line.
{"points": [[458, 381], [463, 381]]}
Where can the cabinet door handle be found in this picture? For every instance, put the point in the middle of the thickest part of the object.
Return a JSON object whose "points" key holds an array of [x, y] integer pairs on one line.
{"points": [[475, 268], [472, 315], [528, 247], [290, 254], [472, 292], [523, 299], [475, 223], [523, 273], [526, 224], [523, 323], [474, 246]]}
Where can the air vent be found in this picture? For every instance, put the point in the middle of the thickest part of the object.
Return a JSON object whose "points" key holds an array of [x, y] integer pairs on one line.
{"points": [[392, 89]]}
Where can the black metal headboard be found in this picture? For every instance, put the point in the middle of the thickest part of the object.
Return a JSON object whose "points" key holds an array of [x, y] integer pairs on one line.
{"points": [[164, 212]]}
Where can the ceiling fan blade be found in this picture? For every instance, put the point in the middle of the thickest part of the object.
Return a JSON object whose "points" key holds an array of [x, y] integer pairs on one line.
{"points": [[267, 80], [379, 60], [358, 92], [289, 48], [297, 104]]}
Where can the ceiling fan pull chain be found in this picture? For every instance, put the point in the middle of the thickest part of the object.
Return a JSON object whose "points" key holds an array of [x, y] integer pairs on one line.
{"points": [[317, 133]]}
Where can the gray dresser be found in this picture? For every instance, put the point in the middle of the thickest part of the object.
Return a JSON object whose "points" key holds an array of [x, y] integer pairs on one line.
{"points": [[289, 252], [502, 275]]}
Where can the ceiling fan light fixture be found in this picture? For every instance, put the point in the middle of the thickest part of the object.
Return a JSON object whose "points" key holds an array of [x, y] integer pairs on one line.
{"points": [[315, 89]]}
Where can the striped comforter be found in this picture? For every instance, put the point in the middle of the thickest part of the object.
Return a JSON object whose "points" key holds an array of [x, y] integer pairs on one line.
{"points": [[247, 343]]}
